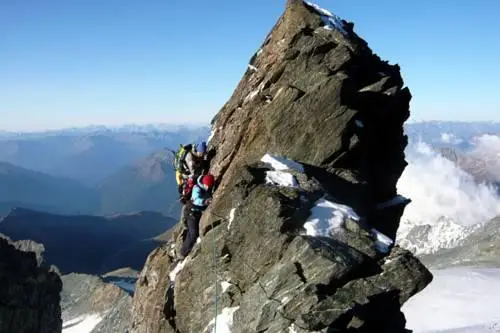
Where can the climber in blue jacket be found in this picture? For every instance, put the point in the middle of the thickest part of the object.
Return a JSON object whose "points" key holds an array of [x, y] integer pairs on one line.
{"points": [[200, 199]]}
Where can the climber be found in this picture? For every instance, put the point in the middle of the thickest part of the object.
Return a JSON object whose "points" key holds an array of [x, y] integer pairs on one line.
{"points": [[187, 163], [200, 199]]}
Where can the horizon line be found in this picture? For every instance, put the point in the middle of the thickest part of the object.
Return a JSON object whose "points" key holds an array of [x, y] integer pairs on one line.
{"points": [[192, 124]]}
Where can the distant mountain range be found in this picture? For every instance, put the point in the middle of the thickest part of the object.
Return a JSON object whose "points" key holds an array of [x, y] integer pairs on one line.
{"points": [[32, 189], [93, 170], [147, 184], [90, 155], [101, 170], [456, 134]]}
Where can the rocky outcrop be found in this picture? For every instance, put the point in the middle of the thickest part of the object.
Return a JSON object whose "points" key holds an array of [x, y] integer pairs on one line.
{"points": [[86, 296], [29, 293], [299, 235]]}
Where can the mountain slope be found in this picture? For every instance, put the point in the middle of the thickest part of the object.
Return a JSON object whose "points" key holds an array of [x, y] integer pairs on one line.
{"points": [[89, 244], [92, 306], [148, 184], [22, 187], [479, 248], [298, 236]]}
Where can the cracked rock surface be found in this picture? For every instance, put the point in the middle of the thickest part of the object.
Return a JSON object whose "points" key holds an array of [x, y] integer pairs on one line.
{"points": [[320, 97]]}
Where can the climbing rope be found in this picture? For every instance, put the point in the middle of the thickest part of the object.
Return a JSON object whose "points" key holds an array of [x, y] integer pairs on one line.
{"points": [[216, 273], [215, 266]]}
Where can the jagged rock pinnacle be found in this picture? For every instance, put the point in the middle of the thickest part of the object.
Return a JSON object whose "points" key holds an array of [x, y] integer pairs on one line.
{"points": [[308, 151]]}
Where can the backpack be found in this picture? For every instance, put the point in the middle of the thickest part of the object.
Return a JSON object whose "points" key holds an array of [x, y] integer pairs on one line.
{"points": [[187, 189], [180, 155]]}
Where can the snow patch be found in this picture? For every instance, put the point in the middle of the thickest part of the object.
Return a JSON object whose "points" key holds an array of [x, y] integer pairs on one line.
{"points": [[330, 20], [225, 285], [251, 96], [82, 324], [177, 269], [223, 322], [320, 10], [292, 329], [281, 163], [457, 300], [198, 240], [231, 218], [382, 242], [327, 216], [259, 52], [252, 67], [359, 123], [281, 178], [211, 135]]}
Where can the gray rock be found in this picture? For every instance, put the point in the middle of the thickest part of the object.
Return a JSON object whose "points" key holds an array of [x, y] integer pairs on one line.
{"points": [[84, 295], [322, 98], [29, 293]]}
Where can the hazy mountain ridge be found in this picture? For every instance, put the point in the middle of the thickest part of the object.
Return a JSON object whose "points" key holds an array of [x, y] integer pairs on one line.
{"points": [[89, 244], [32, 189], [126, 169], [90, 155], [147, 184]]}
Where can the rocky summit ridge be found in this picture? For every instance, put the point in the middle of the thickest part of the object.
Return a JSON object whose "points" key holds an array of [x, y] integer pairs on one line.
{"points": [[299, 235]]}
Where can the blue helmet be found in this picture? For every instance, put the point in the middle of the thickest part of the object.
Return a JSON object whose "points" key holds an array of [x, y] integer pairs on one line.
{"points": [[201, 147]]}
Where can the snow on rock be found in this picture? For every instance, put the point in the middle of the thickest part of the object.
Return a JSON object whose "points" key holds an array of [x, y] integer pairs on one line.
{"points": [[331, 21], [327, 216], [225, 286], [382, 242], [281, 164], [292, 329], [252, 67], [427, 239], [251, 96], [231, 218], [82, 324], [281, 178], [177, 269], [223, 322], [359, 123], [211, 135], [458, 300]]}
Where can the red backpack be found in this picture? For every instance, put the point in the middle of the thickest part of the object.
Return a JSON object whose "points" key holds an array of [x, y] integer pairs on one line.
{"points": [[187, 189]]}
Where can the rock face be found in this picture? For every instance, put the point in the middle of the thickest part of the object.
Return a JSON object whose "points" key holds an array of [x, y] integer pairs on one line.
{"points": [[29, 293], [292, 244], [85, 296]]}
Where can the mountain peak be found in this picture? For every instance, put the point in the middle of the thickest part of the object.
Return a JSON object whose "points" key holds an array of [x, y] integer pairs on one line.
{"points": [[299, 235]]}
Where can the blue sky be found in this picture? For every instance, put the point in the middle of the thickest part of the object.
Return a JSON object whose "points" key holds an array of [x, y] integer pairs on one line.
{"points": [[74, 63]]}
